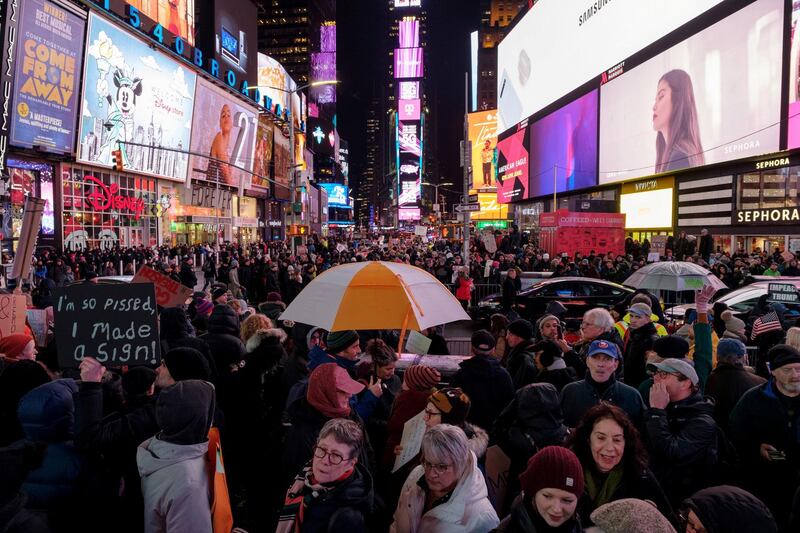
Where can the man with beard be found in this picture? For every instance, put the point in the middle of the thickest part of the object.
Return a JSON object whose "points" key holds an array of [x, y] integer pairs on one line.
{"points": [[764, 428]]}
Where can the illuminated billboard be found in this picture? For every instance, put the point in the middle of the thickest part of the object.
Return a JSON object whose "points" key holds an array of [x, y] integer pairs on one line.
{"points": [[512, 166], [275, 83], [408, 109], [338, 195], [407, 3], [409, 137], [794, 81], [408, 90], [176, 16], [490, 209], [409, 214], [714, 97], [533, 74], [650, 208], [483, 136], [408, 63], [408, 30]]}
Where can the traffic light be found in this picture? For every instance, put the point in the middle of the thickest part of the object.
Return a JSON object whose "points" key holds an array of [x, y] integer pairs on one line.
{"points": [[116, 160]]}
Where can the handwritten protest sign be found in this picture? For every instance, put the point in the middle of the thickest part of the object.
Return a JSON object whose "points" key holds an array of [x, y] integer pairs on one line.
{"points": [[417, 343], [12, 314], [117, 324], [411, 441], [37, 319], [169, 293], [498, 465]]}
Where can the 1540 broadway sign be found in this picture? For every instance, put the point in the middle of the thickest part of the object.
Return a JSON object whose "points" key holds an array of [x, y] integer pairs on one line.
{"points": [[778, 215]]}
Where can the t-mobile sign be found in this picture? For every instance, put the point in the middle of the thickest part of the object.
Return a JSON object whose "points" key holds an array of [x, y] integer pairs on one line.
{"points": [[408, 109]]}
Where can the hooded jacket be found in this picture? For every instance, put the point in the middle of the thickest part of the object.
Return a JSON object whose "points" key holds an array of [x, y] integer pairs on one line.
{"points": [[177, 332], [468, 508], [488, 386], [223, 338], [682, 441], [521, 364], [173, 463], [637, 343], [725, 508]]}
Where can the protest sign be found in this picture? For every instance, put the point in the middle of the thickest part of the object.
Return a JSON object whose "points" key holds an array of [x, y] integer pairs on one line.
{"points": [[785, 293], [12, 314], [37, 320], [420, 231], [498, 465], [411, 441], [417, 343], [116, 324], [169, 293], [489, 242], [31, 222]]}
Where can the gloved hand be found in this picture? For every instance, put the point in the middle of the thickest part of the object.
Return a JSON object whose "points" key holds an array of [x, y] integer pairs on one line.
{"points": [[703, 297]]}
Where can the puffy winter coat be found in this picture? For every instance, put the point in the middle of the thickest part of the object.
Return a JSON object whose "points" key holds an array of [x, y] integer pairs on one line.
{"points": [[725, 508], [468, 508], [175, 486], [637, 343], [521, 364]]}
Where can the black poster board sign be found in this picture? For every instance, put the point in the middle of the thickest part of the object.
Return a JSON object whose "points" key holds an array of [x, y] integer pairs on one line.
{"points": [[785, 293], [115, 323]]}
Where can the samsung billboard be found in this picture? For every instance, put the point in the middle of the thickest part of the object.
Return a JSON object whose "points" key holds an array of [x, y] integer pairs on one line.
{"points": [[595, 36]]}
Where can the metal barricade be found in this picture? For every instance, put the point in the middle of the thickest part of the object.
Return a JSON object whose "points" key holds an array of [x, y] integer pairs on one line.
{"points": [[480, 291]]}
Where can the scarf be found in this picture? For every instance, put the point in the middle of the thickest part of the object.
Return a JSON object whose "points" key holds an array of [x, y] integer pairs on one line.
{"points": [[611, 481], [301, 494], [558, 364]]}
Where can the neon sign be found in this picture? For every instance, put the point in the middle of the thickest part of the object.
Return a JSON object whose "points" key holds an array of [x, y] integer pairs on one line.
{"points": [[103, 198]]}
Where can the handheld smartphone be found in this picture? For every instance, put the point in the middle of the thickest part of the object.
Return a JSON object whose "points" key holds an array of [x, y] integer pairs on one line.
{"points": [[560, 332], [776, 455]]}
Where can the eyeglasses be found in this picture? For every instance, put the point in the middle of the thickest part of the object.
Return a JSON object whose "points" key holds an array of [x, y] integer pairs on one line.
{"points": [[333, 457], [430, 414], [663, 373], [438, 469]]}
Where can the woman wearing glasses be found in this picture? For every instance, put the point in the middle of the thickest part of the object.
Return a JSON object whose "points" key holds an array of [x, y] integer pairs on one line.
{"points": [[447, 492], [334, 491]]}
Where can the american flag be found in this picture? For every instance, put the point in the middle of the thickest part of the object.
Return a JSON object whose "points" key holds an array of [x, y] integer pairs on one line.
{"points": [[768, 322]]}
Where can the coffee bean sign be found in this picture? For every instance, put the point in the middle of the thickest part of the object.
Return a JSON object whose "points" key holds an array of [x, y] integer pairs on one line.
{"points": [[117, 324]]}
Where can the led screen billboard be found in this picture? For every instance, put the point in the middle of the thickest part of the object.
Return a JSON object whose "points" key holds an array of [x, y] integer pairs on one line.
{"points": [[176, 16], [647, 210], [794, 80], [713, 97], [46, 83], [262, 160], [408, 63], [408, 109], [408, 30], [512, 166], [322, 136], [275, 83], [235, 37], [225, 130], [532, 73], [133, 93], [483, 136], [408, 90], [409, 138], [408, 214], [281, 159], [338, 195], [563, 148]]}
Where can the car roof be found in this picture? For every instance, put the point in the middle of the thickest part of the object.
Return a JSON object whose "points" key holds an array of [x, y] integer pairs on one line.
{"points": [[582, 279]]}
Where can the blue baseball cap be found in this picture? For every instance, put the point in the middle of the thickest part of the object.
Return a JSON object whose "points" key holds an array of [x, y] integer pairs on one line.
{"points": [[604, 347]]}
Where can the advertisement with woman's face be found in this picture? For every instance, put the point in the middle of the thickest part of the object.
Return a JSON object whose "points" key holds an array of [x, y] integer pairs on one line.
{"points": [[224, 131], [713, 97]]}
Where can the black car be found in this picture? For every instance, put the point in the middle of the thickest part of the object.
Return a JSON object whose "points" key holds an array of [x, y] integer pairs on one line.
{"points": [[577, 294]]}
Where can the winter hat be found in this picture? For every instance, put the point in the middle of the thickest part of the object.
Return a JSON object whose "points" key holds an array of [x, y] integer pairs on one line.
{"points": [[782, 355], [310, 334], [340, 340], [324, 385], [274, 297], [550, 352], [137, 380], [640, 309], [186, 363], [731, 349], [17, 379], [732, 323], [726, 508], [421, 377], [553, 467], [204, 307], [185, 411], [218, 292], [482, 341], [641, 298], [521, 328], [671, 346], [12, 346], [630, 515], [453, 403], [544, 319]]}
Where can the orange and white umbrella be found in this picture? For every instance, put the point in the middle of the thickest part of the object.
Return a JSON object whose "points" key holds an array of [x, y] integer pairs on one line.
{"points": [[375, 295]]}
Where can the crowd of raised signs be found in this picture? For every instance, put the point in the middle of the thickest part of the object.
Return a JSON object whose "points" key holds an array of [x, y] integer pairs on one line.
{"points": [[121, 411]]}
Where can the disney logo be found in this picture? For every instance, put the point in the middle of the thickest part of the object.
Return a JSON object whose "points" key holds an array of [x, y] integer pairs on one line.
{"points": [[103, 198]]}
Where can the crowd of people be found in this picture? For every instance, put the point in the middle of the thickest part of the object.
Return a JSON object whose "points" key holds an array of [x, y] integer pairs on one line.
{"points": [[268, 425]]}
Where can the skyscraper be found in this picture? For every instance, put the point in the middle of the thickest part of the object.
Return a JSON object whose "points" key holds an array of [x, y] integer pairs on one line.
{"points": [[496, 16]]}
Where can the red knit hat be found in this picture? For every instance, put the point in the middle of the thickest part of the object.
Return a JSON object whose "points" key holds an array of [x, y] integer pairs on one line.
{"points": [[421, 377], [11, 346], [553, 467]]}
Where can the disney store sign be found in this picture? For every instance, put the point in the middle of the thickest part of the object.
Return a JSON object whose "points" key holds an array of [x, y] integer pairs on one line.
{"points": [[104, 197]]}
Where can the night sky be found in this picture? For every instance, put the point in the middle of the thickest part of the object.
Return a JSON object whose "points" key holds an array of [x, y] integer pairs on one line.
{"points": [[361, 29]]}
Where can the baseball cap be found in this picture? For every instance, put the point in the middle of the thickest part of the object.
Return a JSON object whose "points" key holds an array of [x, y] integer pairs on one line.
{"points": [[482, 341], [676, 366], [640, 309], [604, 347]]}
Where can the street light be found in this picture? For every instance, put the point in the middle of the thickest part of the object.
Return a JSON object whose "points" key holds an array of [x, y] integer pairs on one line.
{"points": [[437, 185], [293, 165]]}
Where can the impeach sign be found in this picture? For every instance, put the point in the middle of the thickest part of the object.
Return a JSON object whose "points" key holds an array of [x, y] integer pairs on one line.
{"points": [[169, 293], [116, 324], [785, 293]]}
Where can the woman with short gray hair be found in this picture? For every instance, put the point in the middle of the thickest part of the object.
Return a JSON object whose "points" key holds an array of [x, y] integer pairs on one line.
{"points": [[446, 493]]}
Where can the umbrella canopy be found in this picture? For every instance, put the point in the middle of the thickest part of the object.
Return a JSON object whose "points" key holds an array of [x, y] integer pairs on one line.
{"points": [[375, 295], [673, 276]]}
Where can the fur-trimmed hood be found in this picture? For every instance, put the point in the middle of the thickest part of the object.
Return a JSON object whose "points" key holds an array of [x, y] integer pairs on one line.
{"points": [[478, 439], [268, 336]]}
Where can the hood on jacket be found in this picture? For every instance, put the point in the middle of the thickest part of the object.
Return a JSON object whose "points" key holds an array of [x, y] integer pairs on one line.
{"points": [[726, 508], [477, 439], [155, 454], [470, 489], [47, 413], [223, 319], [265, 338], [539, 406], [174, 324], [185, 411]]}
